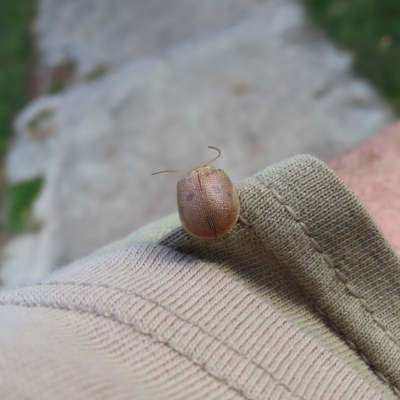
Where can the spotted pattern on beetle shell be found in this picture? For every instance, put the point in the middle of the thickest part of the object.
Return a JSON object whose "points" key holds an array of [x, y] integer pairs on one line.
{"points": [[208, 203]]}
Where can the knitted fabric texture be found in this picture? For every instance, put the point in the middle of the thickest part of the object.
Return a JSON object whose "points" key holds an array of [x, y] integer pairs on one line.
{"points": [[302, 304]]}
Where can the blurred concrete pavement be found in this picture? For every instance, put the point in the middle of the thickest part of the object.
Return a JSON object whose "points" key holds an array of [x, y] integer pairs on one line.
{"points": [[253, 78]]}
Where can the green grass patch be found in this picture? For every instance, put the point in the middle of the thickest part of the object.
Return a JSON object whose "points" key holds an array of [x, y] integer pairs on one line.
{"points": [[371, 30], [21, 197], [16, 60], [96, 73], [16, 56]]}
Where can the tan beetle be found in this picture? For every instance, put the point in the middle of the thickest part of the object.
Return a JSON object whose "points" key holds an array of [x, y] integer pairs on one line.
{"points": [[208, 202]]}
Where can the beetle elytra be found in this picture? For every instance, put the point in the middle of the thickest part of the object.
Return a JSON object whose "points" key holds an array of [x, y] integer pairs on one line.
{"points": [[208, 202]]}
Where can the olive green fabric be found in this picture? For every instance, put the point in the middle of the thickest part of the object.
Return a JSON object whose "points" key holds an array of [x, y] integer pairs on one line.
{"points": [[328, 248], [302, 303]]}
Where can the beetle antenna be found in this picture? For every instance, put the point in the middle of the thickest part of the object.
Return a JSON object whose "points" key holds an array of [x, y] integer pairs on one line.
{"points": [[219, 153], [170, 170]]}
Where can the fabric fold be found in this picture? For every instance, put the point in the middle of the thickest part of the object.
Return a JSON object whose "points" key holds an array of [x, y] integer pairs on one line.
{"points": [[341, 259], [330, 250], [300, 304]]}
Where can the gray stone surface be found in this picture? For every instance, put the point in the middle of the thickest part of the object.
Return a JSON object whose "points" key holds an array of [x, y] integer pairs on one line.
{"points": [[262, 89], [35, 141], [104, 32]]}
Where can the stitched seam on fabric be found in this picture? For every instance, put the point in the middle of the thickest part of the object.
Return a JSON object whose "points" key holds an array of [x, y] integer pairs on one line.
{"points": [[342, 278], [174, 313], [114, 317]]}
